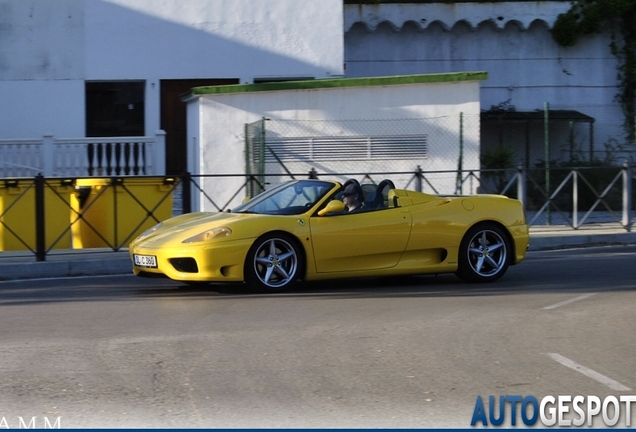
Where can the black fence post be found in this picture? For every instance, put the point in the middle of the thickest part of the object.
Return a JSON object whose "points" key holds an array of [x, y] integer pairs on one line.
{"points": [[418, 179], [40, 232], [186, 199]]}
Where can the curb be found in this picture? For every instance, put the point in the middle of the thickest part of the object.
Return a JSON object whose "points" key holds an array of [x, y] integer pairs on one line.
{"points": [[548, 241], [52, 269]]}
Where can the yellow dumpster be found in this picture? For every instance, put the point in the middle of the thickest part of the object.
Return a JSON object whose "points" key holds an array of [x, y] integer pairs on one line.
{"points": [[111, 212], [18, 214]]}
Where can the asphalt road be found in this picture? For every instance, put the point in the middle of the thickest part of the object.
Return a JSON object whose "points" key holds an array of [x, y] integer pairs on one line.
{"points": [[414, 352]]}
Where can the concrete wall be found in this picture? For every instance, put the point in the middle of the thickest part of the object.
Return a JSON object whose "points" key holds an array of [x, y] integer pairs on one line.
{"points": [[216, 122], [510, 41], [48, 49]]}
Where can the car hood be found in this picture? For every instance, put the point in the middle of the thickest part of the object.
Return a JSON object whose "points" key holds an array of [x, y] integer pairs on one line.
{"points": [[182, 227]]}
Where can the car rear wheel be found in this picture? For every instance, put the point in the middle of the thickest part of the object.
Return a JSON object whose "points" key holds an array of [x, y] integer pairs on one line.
{"points": [[484, 254], [274, 263]]}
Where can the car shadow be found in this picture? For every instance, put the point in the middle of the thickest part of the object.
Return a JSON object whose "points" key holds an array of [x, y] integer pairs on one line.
{"points": [[549, 272], [446, 285]]}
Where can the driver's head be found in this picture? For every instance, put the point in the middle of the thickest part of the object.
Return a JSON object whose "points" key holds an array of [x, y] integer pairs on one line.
{"points": [[351, 195]]}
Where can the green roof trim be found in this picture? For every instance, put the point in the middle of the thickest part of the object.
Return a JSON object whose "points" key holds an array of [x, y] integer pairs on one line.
{"points": [[337, 83]]}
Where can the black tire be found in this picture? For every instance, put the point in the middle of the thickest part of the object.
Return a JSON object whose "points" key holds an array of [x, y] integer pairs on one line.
{"points": [[484, 254], [274, 262]]}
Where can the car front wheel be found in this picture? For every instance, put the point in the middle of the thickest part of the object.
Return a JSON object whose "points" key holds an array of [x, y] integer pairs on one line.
{"points": [[274, 263], [484, 254]]}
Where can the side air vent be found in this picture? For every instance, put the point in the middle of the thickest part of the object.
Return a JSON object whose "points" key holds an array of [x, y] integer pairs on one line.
{"points": [[185, 265], [345, 147]]}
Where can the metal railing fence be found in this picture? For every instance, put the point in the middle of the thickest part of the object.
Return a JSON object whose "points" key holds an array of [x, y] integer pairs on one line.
{"points": [[40, 214], [84, 156]]}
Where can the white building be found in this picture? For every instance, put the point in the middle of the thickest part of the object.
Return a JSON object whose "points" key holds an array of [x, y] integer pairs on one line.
{"points": [[74, 68], [346, 127]]}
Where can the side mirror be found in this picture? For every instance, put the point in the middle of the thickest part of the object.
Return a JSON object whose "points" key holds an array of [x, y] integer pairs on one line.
{"points": [[335, 206]]}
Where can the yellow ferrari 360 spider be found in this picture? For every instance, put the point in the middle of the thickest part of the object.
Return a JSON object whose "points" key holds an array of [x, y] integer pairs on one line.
{"points": [[300, 230]]}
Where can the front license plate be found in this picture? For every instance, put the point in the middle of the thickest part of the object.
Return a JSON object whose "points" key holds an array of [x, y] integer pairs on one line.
{"points": [[145, 261]]}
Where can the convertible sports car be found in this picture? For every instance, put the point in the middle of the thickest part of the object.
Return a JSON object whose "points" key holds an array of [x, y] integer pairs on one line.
{"points": [[299, 230]]}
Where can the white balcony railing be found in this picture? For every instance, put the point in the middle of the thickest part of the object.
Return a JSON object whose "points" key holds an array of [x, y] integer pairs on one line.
{"points": [[83, 157]]}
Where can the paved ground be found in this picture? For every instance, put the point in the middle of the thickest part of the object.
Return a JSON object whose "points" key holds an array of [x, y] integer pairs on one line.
{"points": [[61, 263], [125, 352]]}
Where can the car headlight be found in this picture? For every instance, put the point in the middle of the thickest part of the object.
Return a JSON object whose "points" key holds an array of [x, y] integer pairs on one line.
{"points": [[209, 234], [150, 230]]}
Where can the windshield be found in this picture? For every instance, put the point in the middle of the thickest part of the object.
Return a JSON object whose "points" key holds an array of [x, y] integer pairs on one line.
{"points": [[289, 198]]}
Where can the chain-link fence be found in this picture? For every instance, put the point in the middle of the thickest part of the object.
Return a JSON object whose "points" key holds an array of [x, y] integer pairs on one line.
{"points": [[442, 146], [570, 196]]}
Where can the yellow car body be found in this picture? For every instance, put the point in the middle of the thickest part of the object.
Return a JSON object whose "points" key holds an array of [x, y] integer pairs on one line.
{"points": [[298, 231]]}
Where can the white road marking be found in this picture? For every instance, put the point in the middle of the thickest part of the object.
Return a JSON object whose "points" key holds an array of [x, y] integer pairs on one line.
{"points": [[566, 302], [614, 385]]}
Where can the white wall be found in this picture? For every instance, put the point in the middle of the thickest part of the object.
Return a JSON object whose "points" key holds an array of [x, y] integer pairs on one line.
{"points": [[33, 108], [41, 68], [510, 41], [222, 117], [41, 40], [213, 38], [448, 14], [49, 48]]}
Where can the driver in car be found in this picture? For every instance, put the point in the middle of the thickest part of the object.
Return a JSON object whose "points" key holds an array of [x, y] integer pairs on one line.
{"points": [[351, 197]]}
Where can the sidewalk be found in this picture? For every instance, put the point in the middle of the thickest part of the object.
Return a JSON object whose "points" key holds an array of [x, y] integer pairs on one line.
{"points": [[63, 263], [544, 237], [93, 262]]}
